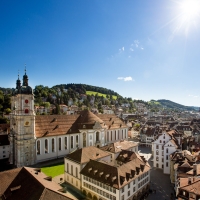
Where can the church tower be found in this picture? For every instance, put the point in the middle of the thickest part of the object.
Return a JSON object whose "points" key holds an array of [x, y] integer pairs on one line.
{"points": [[22, 125]]}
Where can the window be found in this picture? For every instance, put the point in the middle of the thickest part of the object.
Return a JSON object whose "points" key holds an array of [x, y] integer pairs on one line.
{"points": [[26, 111], [128, 193], [72, 142], [77, 140], [122, 197], [128, 185], [38, 147], [160, 141], [59, 144], [167, 150], [53, 144], [115, 135], [72, 170], [162, 160], [122, 189], [67, 167], [108, 137], [166, 157], [118, 134], [65, 142], [46, 146], [157, 147], [26, 101], [97, 136], [76, 172], [166, 164], [157, 158], [157, 165], [157, 152], [133, 189]]}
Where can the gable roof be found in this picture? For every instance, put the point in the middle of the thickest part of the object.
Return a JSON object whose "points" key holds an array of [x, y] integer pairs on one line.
{"points": [[30, 184], [119, 146], [116, 176], [85, 154], [51, 125]]}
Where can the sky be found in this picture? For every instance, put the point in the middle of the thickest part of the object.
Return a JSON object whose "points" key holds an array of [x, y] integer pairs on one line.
{"points": [[146, 49]]}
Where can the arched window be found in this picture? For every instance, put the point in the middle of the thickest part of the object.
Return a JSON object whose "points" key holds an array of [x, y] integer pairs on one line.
{"points": [[157, 158], [53, 144], [26, 111], [72, 142], [59, 144], [38, 147], [97, 136], [65, 142], [46, 146]]}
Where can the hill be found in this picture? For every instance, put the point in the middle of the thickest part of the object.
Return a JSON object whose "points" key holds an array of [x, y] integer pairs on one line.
{"points": [[173, 105]]}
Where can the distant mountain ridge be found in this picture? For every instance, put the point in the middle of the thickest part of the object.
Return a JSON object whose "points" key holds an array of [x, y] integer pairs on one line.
{"points": [[173, 105]]}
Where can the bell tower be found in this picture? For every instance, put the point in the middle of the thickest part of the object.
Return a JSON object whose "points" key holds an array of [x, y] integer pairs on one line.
{"points": [[22, 125]]}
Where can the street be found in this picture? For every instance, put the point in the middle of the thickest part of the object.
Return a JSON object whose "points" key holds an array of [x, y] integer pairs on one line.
{"points": [[159, 182]]}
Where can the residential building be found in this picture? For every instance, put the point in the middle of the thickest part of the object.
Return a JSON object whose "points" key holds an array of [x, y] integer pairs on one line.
{"points": [[165, 144], [29, 183]]}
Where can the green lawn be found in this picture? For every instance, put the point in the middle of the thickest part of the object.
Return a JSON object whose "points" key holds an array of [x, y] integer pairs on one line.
{"points": [[53, 170], [99, 94]]}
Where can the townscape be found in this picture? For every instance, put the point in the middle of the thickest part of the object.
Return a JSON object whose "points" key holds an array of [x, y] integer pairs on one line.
{"points": [[104, 155]]}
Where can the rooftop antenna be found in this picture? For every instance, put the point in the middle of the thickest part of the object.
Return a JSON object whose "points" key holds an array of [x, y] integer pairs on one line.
{"points": [[25, 68]]}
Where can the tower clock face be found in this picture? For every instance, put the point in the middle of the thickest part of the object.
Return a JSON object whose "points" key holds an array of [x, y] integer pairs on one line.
{"points": [[26, 101], [27, 123]]}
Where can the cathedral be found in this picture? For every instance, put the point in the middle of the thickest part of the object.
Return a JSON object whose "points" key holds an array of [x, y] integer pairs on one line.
{"points": [[37, 138]]}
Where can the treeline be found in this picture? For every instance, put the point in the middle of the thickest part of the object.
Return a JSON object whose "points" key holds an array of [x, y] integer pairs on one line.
{"points": [[5, 104], [82, 88]]}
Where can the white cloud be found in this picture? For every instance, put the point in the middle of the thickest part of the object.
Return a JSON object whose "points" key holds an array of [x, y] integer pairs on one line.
{"points": [[128, 78], [122, 49], [136, 42], [194, 96], [131, 49], [142, 48]]}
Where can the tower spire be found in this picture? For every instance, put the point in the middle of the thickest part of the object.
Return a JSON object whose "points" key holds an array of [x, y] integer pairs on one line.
{"points": [[25, 69], [18, 82]]}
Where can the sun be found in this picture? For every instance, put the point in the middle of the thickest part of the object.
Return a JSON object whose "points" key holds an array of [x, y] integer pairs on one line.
{"points": [[190, 9]]}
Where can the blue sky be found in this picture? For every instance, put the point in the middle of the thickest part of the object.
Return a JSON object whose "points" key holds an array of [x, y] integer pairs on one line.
{"points": [[147, 49]]}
